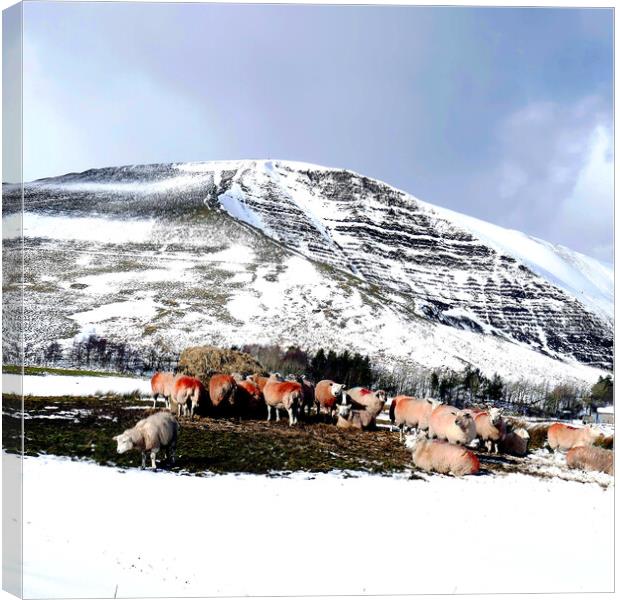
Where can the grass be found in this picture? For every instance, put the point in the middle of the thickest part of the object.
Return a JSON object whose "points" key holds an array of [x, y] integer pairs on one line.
{"points": [[17, 370], [217, 445]]}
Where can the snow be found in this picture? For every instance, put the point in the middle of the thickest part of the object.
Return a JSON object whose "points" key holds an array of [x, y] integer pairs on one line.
{"points": [[89, 229], [106, 532], [66, 385], [581, 276], [605, 410], [143, 309]]}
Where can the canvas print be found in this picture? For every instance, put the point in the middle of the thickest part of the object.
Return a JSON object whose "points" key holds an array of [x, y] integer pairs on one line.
{"points": [[307, 300]]}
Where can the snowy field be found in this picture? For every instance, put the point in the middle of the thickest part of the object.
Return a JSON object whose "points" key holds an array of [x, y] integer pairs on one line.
{"points": [[65, 385], [93, 531]]}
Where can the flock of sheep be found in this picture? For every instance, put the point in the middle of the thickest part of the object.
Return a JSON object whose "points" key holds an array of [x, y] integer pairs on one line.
{"points": [[443, 435]]}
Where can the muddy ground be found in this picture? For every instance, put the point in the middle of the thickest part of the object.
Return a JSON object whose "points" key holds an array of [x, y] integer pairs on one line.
{"points": [[83, 427]]}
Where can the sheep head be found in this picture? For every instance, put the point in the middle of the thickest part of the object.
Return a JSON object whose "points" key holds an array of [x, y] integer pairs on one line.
{"points": [[495, 416], [344, 410], [336, 389], [124, 442]]}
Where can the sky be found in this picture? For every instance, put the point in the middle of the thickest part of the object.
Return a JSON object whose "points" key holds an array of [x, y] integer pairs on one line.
{"points": [[503, 114]]}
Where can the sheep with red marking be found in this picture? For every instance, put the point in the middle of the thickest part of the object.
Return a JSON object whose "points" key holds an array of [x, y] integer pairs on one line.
{"points": [[156, 432], [490, 428], [443, 457], [285, 395], [187, 390], [407, 412], [162, 384], [449, 423], [249, 396], [364, 399], [350, 418], [564, 437], [591, 458], [222, 389], [326, 396], [259, 380]]}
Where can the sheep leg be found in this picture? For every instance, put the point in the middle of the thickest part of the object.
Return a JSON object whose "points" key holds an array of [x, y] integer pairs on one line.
{"points": [[268, 412], [291, 419], [277, 413], [154, 400], [153, 455], [143, 461], [401, 429]]}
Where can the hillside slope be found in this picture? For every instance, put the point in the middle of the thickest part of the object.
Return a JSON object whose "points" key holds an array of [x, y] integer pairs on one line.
{"points": [[278, 252]]}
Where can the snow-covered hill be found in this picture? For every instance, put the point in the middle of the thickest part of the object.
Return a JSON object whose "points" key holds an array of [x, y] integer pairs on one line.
{"points": [[281, 252]]}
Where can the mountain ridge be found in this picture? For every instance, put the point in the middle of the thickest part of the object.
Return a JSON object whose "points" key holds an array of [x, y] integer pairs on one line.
{"points": [[421, 260]]}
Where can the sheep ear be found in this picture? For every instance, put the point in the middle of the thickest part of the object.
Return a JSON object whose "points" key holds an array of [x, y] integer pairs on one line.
{"points": [[115, 438]]}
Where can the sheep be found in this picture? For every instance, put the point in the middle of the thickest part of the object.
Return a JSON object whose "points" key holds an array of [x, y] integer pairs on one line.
{"points": [[407, 412], [258, 380], [307, 388], [157, 431], [187, 389], [350, 418], [490, 428], [326, 393], [222, 389], [162, 384], [591, 458], [515, 442], [249, 396], [282, 394], [564, 437], [365, 399], [443, 457], [449, 423]]}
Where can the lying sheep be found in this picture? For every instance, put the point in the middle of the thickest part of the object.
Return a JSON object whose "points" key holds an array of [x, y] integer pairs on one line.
{"points": [[449, 423], [407, 412], [490, 428], [365, 399], [350, 418], [158, 431], [564, 437], [443, 457], [187, 390], [282, 394], [515, 442], [326, 395], [591, 458]]}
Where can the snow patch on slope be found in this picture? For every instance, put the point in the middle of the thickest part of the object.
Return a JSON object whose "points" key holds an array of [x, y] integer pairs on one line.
{"points": [[583, 277]]}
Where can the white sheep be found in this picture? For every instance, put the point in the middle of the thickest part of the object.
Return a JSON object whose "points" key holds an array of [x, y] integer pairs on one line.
{"points": [[157, 431]]}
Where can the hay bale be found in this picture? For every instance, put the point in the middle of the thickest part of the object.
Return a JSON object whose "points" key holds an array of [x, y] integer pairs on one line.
{"points": [[204, 361]]}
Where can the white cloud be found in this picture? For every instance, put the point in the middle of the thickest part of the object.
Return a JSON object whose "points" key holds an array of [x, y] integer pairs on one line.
{"points": [[555, 175]]}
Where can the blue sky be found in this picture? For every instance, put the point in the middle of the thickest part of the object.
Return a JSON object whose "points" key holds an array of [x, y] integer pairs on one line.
{"points": [[503, 114]]}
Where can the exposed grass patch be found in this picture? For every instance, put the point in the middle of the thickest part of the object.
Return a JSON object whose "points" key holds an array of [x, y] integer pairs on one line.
{"points": [[219, 445]]}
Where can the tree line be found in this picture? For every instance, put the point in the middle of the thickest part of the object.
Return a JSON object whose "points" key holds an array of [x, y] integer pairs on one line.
{"points": [[459, 388]]}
